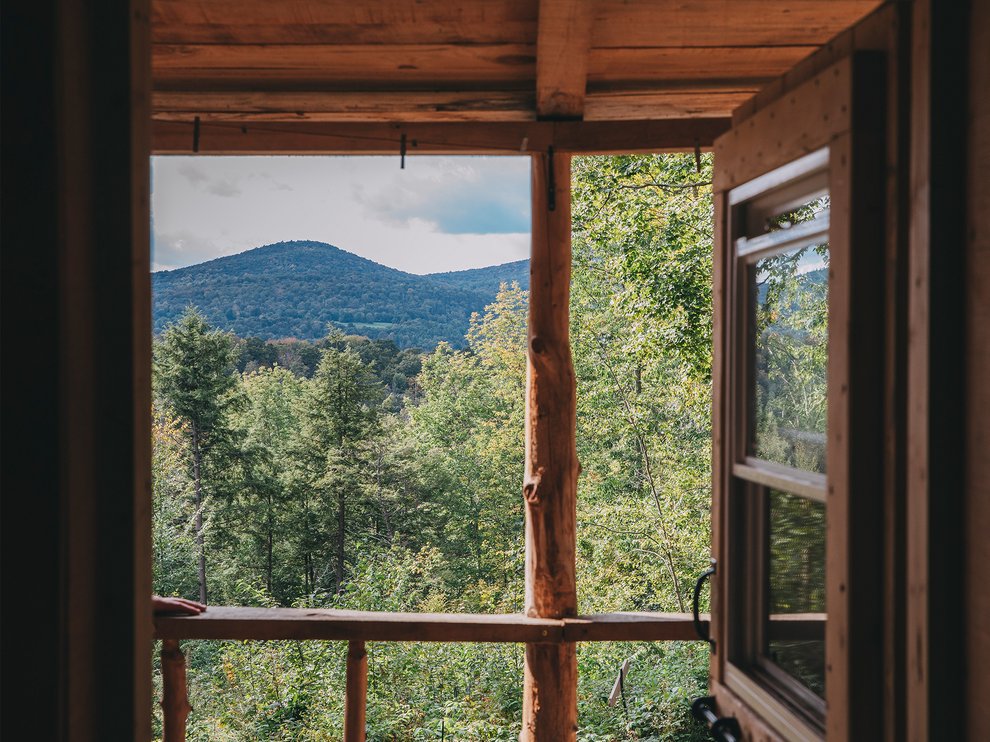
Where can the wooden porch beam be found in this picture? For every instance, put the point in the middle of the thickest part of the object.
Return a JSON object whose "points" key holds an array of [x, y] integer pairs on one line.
{"points": [[450, 138], [317, 105], [550, 484], [563, 44]]}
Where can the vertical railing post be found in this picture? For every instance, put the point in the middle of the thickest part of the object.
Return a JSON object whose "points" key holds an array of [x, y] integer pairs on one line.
{"points": [[550, 485], [356, 693], [175, 700]]}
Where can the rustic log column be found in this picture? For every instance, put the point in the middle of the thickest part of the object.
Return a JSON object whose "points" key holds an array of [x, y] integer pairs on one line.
{"points": [[550, 486], [356, 692], [175, 701]]}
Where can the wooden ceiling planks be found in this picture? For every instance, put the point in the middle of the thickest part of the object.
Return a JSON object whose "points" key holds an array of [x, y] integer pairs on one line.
{"points": [[664, 104], [685, 23], [487, 61], [343, 21], [396, 65], [650, 67], [344, 106]]}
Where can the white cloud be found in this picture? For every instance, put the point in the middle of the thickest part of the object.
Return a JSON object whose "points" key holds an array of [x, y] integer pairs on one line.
{"points": [[440, 213]]}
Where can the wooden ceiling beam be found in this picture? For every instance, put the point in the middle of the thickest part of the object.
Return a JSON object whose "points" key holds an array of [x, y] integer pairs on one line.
{"points": [[563, 43], [455, 138], [277, 106], [373, 64]]}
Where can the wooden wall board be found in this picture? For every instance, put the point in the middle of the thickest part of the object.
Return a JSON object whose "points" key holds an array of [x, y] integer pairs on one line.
{"points": [[856, 369], [874, 32], [77, 392], [937, 654], [794, 125], [756, 729]]}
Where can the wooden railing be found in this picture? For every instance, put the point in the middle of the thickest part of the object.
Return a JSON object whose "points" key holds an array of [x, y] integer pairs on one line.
{"points": [[358, 627]]}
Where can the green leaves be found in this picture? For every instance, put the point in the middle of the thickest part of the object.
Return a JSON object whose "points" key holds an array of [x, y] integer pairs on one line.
{"points": [[429, 483]]}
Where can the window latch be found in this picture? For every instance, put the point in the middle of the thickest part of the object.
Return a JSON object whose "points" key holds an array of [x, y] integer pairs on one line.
{"points": [[703, 632]]}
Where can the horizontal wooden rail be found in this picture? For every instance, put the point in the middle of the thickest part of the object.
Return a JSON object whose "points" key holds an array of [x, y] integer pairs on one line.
{"points": [[340, 625], [358, 627]]}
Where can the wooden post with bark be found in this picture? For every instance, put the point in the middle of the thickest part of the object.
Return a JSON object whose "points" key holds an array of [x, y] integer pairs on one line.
{"points": [[355, 695], [550, 486], [175, 700]]}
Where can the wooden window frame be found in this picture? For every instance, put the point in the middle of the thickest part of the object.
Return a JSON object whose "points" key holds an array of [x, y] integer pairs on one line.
{"points": [[833, 123], [792, 705]]}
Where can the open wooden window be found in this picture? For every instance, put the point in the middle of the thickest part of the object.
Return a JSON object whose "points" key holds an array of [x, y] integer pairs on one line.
{"points": [[798, 407]]}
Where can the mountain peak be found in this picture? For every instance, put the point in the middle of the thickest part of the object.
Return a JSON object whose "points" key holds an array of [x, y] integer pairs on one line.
{"points": [[296, 288]]}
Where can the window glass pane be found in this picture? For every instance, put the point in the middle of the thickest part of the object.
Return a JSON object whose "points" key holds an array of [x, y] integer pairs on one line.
{"points": [[789, 299], [788, 215], [796, 585]]}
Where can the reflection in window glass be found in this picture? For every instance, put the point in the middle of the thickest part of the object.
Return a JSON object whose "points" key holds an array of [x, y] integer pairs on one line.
{"points": [[792, 215], [790, 312], [796, 584]]}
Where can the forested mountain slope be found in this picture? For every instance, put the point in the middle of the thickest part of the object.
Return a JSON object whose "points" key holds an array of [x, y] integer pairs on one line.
{"points": [[294, 289]]}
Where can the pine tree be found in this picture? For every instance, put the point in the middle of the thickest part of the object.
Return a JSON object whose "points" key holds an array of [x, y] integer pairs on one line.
{"points": [[340, 415], [194, 382], [270, 421]]}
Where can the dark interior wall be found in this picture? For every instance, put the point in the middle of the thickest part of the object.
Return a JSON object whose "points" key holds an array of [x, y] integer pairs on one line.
{"points": [[938, 408], [977, 517], [75, 504], [30, 431]]}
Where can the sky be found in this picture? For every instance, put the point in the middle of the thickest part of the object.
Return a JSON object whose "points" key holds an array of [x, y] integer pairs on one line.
{"points": [[439, 214]]}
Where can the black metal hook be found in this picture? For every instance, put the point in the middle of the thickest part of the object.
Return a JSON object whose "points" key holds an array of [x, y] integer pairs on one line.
{"points": [[699, 628], [551, 182], [724, 729]]}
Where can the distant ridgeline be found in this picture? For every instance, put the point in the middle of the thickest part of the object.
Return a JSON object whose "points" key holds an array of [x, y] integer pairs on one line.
{"points": [[294, 289]]}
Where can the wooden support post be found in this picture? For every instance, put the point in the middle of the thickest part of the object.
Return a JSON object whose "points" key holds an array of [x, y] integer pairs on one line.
{"points": [[357, 691], [175, 701], [550, 486]]}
